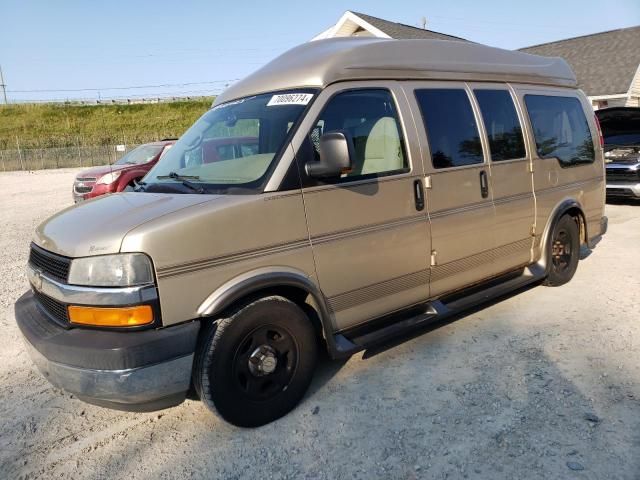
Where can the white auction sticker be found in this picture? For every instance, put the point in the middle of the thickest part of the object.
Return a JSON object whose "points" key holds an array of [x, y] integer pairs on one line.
{"points": [[290, 99]]}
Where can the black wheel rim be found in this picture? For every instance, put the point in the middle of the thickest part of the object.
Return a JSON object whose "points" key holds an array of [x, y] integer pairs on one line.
{"points": [[268, 344], [561, 250]]}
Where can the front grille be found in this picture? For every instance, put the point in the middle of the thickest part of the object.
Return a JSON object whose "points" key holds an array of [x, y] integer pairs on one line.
{"points": [[619, 175], [49, 263], [55, 309], [83, 188], [86, 179]]}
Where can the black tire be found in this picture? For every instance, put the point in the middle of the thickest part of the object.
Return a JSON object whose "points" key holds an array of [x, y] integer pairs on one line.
{"points": [[234, 352], [563, 252]]}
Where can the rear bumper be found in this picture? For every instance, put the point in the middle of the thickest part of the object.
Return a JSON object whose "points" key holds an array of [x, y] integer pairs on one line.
{"points": [[136, 371]]}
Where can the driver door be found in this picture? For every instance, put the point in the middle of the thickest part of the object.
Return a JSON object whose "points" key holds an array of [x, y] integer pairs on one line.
{"points": [[368, 230]]}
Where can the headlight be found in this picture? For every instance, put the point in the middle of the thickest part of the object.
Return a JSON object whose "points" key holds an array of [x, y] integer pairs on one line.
{"points": [[121, 270], [109, 178]]}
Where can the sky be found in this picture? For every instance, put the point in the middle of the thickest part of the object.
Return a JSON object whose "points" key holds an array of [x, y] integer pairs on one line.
{"points": [[53, 49]]}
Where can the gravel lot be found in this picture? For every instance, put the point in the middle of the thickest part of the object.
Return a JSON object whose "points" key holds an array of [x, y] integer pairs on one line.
{"points": [[545, 384]]}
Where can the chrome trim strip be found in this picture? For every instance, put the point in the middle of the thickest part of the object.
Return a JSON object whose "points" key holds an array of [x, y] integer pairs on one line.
{"points": [[205, 263], [465, 208], [513, 198], [78, 295], [624, 185], [353, 298], [477, 260], [567, 186], [130, 386]]}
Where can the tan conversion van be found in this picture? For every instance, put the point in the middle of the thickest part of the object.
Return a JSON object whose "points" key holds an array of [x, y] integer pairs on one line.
{"points": [[393, 182]]}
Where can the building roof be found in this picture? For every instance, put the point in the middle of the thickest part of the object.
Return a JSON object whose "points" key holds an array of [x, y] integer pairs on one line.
{"points": [[401, 31], [322, 62], [605, 63]]}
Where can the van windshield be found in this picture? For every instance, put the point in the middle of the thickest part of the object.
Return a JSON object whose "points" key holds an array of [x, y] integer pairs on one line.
{"points": [[231, 148]]}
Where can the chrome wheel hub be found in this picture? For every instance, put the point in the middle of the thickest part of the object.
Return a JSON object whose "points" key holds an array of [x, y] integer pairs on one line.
{"points": [[263, 361]]}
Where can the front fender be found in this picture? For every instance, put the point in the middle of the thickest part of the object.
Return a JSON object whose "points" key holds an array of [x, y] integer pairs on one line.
{"points": [[268, 277]]}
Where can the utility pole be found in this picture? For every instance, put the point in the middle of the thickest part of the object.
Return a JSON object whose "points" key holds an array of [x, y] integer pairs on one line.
{"points": [[3, 86]]}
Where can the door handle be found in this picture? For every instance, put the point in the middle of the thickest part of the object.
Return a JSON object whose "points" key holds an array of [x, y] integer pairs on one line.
{"points": [[418, 193], [484, 184]]}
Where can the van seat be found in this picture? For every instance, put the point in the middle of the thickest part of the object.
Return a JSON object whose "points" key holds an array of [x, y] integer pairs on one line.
{"points": [[377, 146]]}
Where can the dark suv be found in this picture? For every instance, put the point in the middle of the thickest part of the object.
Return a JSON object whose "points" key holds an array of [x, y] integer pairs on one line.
{"points": [[621, 131]]}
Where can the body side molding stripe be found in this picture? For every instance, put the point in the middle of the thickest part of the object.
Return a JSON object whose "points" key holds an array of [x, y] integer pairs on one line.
{"points": [[374, 291]]}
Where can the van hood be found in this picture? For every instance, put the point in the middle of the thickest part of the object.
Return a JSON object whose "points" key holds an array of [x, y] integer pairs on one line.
{"points": [[97, 227]]}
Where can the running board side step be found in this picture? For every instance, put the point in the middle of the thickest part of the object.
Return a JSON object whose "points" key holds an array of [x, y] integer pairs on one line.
{"points": [[354, 340]]}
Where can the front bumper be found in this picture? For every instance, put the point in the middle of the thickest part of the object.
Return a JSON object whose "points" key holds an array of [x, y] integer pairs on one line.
{"points": [[97, 189], [624, 190], [135, 371]]}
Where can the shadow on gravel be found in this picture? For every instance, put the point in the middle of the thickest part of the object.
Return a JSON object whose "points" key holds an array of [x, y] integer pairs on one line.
{"points": [[436, 324]]}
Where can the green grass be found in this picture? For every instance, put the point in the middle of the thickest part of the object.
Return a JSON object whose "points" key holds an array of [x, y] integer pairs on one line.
{"points": [[59, 125]]}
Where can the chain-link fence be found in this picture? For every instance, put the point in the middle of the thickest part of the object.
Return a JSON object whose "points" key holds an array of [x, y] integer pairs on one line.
{"points": [[60, 157]]}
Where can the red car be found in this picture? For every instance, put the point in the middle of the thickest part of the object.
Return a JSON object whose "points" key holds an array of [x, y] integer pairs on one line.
{"points": [[123, 173]]}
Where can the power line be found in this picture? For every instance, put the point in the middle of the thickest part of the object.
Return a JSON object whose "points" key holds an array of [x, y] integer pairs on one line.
{"points": [[165, 85]]}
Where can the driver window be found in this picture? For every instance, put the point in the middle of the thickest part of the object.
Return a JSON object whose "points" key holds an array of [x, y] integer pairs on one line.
{"points": [[370, 118]]}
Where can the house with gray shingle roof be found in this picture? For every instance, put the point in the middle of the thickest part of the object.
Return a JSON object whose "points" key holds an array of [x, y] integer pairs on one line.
{"points": [[354, 24], [607, 64]]}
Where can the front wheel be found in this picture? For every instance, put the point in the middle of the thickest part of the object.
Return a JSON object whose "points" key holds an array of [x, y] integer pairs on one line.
{"points": [[255, 365], [563, 252]]}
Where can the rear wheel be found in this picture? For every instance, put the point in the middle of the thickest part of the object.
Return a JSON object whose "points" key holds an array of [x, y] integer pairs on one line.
{"points": [[563, 252], [255, 365]]}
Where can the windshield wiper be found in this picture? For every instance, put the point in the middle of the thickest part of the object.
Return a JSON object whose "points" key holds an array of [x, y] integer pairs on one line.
{"points": [[140, 186], [185, 180]]}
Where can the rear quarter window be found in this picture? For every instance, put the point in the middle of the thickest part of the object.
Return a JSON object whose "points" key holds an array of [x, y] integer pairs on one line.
{"points": [[560, 129]]}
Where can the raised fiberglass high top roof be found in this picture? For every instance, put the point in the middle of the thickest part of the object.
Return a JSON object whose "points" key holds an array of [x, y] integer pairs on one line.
{"points": [[322, 62]]}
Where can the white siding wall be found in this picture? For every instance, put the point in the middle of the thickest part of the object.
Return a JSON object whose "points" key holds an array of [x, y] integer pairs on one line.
{"points": [[634, 89], [633, 101], [617, 102]]}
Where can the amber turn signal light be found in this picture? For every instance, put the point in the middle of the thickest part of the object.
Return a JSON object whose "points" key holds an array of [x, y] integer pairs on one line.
{"points": [[111, 317]]}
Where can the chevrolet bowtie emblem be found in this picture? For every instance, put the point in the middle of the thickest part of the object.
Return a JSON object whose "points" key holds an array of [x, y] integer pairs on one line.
{"points": [[37, 280]]}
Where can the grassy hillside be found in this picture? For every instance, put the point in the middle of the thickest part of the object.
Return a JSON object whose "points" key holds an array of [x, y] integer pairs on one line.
{"points": [[58, 125]]}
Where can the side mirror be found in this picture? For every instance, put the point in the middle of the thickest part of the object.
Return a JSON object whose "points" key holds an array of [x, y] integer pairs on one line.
{"points": [[336, 154]]}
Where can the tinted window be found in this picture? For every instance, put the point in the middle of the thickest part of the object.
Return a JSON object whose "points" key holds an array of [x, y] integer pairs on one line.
{"points": [[370, 117], [560, 129], [501, 123], [451, 127]]}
